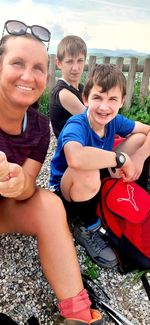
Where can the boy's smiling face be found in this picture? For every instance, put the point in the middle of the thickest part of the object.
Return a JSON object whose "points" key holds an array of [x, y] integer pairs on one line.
{"points": [[103, 106]]}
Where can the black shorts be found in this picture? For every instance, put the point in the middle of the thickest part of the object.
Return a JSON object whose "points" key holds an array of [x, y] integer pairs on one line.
{"points": [[69, 207]]}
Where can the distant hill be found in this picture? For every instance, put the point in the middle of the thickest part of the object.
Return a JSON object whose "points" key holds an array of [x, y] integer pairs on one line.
{"points": [[116, 53], [106, 52]]}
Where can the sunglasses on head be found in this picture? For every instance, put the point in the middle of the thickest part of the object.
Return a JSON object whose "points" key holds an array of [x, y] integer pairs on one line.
{"points": [[16, 27]]}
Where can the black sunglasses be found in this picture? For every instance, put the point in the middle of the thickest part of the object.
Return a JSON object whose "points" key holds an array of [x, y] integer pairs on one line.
{"points": [[16, 27]]}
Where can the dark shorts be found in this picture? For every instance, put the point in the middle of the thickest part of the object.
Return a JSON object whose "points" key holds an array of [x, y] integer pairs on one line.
{"points": [[69, 207]]}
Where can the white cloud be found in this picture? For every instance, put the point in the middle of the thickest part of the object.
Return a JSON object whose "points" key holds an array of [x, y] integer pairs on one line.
{"points": [[121, 35], [103, 24]]}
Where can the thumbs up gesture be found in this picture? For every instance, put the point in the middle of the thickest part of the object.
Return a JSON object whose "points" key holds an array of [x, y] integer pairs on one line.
{"points": [[4, 167], [11, 178]]}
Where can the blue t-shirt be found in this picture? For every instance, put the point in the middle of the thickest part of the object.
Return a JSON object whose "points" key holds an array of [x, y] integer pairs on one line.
{"points": [[78, 129]]}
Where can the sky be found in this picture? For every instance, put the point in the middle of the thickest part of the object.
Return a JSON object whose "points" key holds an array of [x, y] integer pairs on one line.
{"points": [[110, 24]]}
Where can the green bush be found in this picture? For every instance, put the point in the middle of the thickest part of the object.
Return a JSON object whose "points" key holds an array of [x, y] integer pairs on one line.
{"points": [[44, 102], [137, 111]]}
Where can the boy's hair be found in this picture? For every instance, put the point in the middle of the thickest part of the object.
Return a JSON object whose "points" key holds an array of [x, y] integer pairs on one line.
{"points": [[105, 76], [71, 45]]}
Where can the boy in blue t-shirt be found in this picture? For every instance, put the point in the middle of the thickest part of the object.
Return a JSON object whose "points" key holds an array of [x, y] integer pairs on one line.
{"points": [[85, 148]]}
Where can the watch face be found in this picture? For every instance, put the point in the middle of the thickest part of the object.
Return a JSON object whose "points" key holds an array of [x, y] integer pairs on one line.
{"points": [[122, 159]]}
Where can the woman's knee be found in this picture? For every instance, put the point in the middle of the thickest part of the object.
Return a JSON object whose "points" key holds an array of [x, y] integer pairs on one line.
{"points": [[51, 212]]}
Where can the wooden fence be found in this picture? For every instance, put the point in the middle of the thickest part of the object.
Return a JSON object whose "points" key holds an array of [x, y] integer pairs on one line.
{"points": [[131, 69]]}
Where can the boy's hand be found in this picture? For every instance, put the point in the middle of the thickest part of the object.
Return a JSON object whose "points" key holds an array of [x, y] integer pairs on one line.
{"points": [[4, 167], [14, 185], [138, 163], [128, 171]]}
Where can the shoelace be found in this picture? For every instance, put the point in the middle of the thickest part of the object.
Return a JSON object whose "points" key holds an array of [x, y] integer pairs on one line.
{"points": [[96, 242]]}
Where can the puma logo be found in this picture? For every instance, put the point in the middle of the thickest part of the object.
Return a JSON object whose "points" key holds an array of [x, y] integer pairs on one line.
{"points": [[130, 191]]}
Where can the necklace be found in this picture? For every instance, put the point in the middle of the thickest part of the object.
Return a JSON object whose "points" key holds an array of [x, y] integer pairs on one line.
{"points": [[24, 123]]}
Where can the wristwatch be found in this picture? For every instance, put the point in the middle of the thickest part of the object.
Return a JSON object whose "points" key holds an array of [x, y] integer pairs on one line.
{"points": [[120, 160]]}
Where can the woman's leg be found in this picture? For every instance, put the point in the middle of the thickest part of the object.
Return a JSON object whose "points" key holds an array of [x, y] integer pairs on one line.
{"points": [[44, 216]]}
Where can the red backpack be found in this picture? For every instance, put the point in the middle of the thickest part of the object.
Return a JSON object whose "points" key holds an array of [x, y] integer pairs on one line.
{"points": [[124, 209]]}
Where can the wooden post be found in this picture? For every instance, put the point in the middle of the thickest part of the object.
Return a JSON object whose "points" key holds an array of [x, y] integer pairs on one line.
{"points": [[106, 60], [92, 62], [52, 72], [145, 80], [130, 82], [119, 63]]}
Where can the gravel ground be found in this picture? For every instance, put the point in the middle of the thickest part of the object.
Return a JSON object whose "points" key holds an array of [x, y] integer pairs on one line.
{"points": [[24, 290]]}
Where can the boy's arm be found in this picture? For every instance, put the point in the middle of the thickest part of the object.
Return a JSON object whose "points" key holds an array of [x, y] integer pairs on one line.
{"points": [[141, 128], [139, 157], [144, 150], [70, 102], [89, 158]]}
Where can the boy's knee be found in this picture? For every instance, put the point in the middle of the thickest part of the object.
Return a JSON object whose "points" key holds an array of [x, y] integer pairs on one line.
{"points": [[92, 180], [88, 182], [141, 138]]}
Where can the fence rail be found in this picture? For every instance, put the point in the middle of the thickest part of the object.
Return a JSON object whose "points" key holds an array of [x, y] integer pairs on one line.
{"points": [[132, 68]]}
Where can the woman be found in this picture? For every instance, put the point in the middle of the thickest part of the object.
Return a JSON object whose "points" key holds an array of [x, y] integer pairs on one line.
{"points": [[24, 139]]}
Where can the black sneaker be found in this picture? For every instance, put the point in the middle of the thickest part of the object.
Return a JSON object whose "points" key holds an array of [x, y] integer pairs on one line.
{"points": [[98, 249]]}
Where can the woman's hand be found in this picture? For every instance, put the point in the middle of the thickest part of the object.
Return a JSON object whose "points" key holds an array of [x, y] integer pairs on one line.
{"points": [[4, 167], [13, 184], [18, 182]]}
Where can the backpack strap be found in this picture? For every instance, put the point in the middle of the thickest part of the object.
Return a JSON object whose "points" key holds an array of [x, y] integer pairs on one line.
{"points": [[146, 284]]}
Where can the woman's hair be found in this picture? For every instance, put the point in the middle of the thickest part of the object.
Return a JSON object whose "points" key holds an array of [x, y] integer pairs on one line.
{"points": [[5, 38], [105, 76], [72, 45]]}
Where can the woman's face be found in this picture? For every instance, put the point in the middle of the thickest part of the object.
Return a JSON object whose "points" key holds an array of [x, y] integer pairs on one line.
{"points": [[23, 71]]}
